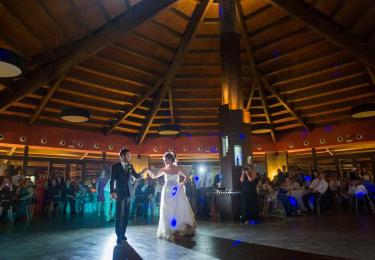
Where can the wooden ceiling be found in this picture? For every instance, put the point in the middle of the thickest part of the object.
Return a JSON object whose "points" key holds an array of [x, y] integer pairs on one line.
{"points": [[138, 64]]}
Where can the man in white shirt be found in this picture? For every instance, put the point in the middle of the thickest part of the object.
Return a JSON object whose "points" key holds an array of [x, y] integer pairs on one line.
{"points": [[317, 188]]}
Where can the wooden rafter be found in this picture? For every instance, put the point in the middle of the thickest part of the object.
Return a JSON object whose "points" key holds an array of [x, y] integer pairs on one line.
{"points": [[106, 35], [267, 111], [256, 74], [54, 86], [328, 28], [371, 73], [187, 37], [171, 106], [251, 96]]}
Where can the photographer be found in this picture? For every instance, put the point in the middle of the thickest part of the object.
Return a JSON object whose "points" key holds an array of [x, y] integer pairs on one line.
{"points": [[249, 197]]}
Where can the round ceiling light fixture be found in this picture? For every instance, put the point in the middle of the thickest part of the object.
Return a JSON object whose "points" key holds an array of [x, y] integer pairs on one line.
{"points": [[261, 129], [169, 129], [363, 110], [75, 115], [11, 64]]}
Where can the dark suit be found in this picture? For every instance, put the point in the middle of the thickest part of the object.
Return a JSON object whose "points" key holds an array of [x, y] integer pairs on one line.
{"points": [[121, 176]]}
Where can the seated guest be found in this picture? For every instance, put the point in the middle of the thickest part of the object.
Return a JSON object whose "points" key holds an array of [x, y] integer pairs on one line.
{"points": [[317, 188], [369, 185], [334, 184], [249, 197], [7, 194], [54, 193], [354, 175], [100, 184], [279, 178], [265, 184], [290, 203], [80, 198], [41, 184], [71, 196], [26, 196], [138, 200], [148, 191]]}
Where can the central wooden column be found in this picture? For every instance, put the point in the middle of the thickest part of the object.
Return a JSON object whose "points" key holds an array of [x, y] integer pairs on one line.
{"points": [[232, 94], [235, 134]]}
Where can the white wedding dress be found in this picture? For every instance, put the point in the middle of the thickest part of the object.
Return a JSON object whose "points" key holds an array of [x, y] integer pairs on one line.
{"points": [[176, 214]]}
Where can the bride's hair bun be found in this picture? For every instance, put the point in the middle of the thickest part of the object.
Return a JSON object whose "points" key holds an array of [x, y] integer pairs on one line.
{"points": [[170, 156]]}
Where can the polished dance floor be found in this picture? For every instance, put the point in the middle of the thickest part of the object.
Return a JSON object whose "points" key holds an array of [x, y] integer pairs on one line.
{"points": [[90, 237]]}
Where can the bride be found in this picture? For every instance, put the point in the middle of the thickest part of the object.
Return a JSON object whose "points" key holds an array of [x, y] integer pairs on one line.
{"points": [[176, 215]]}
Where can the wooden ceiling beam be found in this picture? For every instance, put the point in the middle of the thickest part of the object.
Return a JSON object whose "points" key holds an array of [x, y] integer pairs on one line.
{"points": [[54, 86], [112, 77], [306, 62], [123, 65], [259, 78], [187, 37], [103, 37], [180, 14], [332, 68], [167, 28], [101, 87], [267, 111], [301, 49], [153, 42], [171, 106], [328, 28], [140, 55], [319, 84]]}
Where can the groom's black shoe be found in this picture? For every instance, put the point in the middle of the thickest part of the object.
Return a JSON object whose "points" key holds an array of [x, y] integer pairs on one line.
{"points": [[118, 241]]}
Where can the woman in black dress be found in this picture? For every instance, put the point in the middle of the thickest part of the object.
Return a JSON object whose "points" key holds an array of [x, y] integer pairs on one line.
{"points": [[249, 198]]}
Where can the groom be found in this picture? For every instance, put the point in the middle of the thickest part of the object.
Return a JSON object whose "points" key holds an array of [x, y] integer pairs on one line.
{"points": [[121, 174]]}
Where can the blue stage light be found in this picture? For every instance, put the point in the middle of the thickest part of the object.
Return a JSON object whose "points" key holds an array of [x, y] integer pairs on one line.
{"points": [[293, 202], [236, 243], [173, 222], [174, 191], [196, 178]]}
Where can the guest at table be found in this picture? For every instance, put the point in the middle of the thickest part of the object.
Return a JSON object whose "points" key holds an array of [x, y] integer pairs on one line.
{"points": [[100, 185], [26, 195], [289, 202], [279, 178], [7, 195], [41, 185], [249, 197], [55, 195], [71, 196], [317, 188]]}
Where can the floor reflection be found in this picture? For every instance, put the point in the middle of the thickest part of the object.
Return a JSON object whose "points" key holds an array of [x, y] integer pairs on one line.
{"points": [[223, 248]]}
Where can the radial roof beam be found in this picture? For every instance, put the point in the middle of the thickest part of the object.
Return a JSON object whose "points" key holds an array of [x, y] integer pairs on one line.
{"points": [[53, 88], [267, 111], [256, 73], [187, 37], [103, 37], [328, 28]]}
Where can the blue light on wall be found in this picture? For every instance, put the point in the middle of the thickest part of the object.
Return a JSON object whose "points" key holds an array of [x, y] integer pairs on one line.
{"points": [[196, 178]]}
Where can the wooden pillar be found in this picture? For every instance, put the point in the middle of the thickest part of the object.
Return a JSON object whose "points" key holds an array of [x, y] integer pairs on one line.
{"points": [[354, 163], [338, 167], [104, 159], [230, 50], [314, 160], [67, 171], [83, 171], [373, 166], [50, 165], [25, 159]]}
